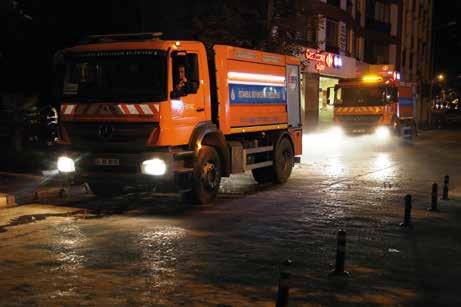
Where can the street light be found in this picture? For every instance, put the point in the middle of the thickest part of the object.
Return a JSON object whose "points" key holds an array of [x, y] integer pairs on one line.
{"points": [[440, 77]]}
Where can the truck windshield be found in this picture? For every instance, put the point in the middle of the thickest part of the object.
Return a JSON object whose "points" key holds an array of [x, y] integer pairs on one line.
{"points": [[115, 75], [364, 96]]}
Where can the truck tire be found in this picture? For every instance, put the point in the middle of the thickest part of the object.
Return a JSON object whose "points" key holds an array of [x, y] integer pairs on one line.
{"points": [[280, 171], [263, 174], [105, 189], [207, 176], [283, 161]]}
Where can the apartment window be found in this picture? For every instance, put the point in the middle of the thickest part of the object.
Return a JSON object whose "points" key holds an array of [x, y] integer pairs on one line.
{"points": [[376, 53], [381, 54], [311, 33], [382, 12], [331, 39], [358, 9], [349, 7], [357, 48], [370, 8], [350, 42], [334, 2], [404, 58]]}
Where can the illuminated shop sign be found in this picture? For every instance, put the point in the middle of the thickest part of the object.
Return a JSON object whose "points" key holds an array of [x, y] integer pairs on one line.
{"points": [[337, 61], [321, 59]]}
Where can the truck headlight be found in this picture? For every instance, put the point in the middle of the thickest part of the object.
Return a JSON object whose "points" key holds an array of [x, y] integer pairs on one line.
{"points": [[383, 133], [154, 167], [66, 165]]}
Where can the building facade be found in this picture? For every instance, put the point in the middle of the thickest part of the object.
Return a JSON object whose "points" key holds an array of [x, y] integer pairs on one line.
{"points": [[416, 53], [354, 34], [360, 33]]}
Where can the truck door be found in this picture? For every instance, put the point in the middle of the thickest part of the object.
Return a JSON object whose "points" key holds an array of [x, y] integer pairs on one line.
{"points": [[187, 96]]}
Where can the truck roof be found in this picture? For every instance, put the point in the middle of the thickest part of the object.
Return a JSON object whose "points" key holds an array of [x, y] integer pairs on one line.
{"points": [[131, 45], [136, 41]]}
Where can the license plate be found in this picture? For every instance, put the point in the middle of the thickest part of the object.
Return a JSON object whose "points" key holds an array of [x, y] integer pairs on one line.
{"points": [[107, 162]]}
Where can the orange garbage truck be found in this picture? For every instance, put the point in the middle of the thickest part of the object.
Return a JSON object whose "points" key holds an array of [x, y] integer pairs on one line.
{"points": [[175, 116], [375, 104]]}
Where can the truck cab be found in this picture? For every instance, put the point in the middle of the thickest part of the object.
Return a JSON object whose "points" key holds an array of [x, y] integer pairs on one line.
{"points": [[367, 105]]}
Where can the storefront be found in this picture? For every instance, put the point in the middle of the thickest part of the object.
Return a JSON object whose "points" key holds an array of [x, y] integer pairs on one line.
{"points": [[321, 71]]}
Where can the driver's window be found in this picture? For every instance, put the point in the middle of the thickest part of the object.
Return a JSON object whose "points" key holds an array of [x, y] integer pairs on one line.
{"points": [[185, 74]]}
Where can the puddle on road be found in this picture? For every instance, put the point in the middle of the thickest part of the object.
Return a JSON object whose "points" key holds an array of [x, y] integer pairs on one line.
{"points": [[33, 218]]}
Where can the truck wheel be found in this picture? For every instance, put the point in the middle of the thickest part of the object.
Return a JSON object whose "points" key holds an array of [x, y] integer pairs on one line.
{"points": [[207, 176], [106, 189], [283, 161], [280, 171], [263, 174]]}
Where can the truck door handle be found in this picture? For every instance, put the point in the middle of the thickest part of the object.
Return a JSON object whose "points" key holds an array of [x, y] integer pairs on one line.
{"points": [[200, 109]]}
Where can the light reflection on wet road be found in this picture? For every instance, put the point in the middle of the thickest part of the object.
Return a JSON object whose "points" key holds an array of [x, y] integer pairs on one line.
{"points": [[150, 250]]}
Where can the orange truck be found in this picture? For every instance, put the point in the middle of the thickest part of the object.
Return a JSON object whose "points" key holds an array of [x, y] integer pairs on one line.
{"points": [[378, 104], [175, 116]]}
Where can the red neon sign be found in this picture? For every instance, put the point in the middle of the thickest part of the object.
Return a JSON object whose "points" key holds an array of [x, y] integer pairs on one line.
{"points": [[322, 59]]}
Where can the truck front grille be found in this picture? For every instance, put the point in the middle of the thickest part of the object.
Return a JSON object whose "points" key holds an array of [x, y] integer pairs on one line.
{"points": [[359, 119], [107, 136]]}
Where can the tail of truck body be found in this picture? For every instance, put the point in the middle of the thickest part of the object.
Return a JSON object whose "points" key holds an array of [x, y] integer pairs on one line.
{"points": [[240, 105]]}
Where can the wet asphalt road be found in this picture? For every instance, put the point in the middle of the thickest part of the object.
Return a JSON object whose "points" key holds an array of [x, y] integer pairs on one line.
{"points": [[151, 250]]}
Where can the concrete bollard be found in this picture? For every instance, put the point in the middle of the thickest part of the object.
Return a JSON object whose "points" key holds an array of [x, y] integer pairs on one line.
{"points": [[434, 196], [446, 181], [407, 216], [340, 255], [284, 286]]}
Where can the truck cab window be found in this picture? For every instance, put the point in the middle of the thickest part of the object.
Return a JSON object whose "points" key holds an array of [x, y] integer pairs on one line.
{"points": [[185, 74]]}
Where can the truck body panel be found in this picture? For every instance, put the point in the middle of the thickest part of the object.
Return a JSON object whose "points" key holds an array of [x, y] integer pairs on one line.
{"points": [[252, 89], [406, 106]]}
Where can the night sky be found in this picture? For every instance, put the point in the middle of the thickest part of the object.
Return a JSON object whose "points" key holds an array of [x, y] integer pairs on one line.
{"points": [[33, 30], [447, 55]]}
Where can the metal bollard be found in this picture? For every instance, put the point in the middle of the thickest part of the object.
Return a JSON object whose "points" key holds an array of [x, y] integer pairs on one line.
{"points": [[340, 255], [284, 287], [446, 181], [407, 217], [434, 195]]}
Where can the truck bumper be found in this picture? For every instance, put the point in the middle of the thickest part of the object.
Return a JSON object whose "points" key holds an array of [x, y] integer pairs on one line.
{"points": [[125, 169]]}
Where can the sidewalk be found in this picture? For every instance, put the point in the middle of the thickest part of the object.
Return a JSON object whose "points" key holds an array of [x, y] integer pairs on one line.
{"points": [[27, 188]]}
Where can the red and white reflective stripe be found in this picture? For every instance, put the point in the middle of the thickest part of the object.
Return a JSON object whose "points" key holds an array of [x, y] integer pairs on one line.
{"points": [[145, 108], [68, 109], [138, 109]]}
